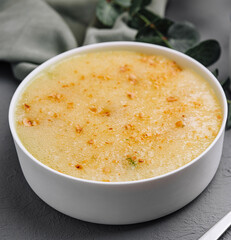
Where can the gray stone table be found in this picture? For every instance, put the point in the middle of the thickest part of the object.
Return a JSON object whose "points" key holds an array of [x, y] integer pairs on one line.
{"points": [[24, 216]]}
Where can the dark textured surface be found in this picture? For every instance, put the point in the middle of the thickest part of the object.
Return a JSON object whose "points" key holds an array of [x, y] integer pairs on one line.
{"points": [[24, 216]]}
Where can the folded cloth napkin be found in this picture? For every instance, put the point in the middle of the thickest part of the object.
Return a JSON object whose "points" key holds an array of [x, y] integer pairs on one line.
{"points": [[32, 31]]}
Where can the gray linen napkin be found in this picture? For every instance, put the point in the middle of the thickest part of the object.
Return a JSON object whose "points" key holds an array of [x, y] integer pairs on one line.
{"points": [[32, 31]]}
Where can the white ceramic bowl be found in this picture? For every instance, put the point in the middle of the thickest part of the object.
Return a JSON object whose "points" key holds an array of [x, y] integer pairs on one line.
{"points": [[122, 202]]}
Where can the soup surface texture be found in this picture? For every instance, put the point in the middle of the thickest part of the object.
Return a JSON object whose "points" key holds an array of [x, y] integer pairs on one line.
{"points": [[117, 116]]}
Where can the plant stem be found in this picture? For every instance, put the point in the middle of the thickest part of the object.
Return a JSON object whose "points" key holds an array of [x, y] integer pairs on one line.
{"points": [[142, 17], [148, 23]]}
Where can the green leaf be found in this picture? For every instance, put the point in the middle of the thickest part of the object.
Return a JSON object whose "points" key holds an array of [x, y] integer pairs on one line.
{"points": [[228, 123], [123, 3], [135, 22], [183, 36], [151, 39], [206, 52], [142, 18], [163, 25], [215, 72], [107, 12], [145, 3], [226, 85], [149, 35], [150, 16], [136, 5]]}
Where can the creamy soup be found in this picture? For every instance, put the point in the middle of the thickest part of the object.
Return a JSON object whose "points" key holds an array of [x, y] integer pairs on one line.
{"points": [[117, 116]]}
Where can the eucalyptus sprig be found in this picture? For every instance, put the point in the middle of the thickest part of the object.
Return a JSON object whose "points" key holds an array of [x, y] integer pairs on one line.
{"points": [[162, 31], [154, 29]]}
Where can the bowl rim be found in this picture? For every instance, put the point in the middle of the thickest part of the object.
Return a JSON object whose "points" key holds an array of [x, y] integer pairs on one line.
{"points": [[95, 46]]}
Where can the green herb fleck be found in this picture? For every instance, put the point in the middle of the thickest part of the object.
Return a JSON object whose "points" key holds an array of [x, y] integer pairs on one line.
{"points": [[107, 12], [131, 161]]}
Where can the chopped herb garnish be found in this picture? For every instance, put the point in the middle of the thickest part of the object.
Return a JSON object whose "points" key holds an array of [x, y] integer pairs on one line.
{"points": [[131, 161]]}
